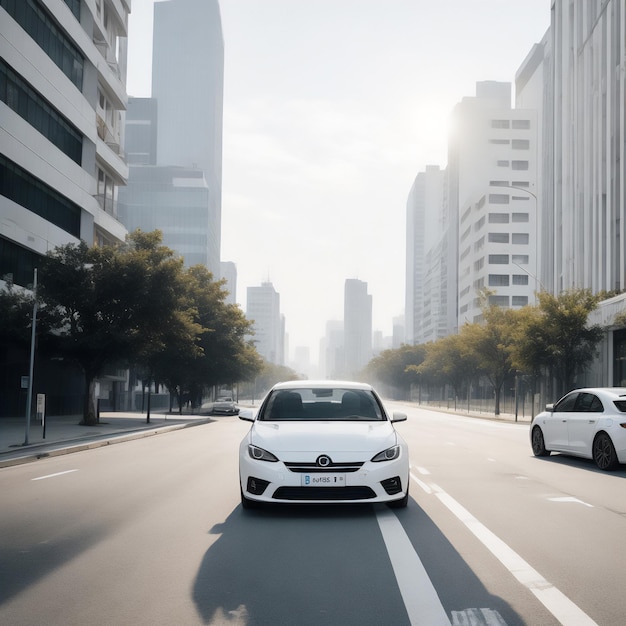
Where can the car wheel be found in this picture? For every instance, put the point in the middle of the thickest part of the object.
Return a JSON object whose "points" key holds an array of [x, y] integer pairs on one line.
{"points": [[604, 453], [538, 443]]}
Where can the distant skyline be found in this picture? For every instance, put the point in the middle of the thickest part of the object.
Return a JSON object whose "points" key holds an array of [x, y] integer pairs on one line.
{"points": [[331, 109]]}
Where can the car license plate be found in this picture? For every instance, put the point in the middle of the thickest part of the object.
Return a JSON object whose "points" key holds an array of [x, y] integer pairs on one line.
{"points": [[323, 480]]}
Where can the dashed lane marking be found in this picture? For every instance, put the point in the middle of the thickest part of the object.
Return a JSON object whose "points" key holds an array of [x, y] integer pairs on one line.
{"points": [[54, 475]]}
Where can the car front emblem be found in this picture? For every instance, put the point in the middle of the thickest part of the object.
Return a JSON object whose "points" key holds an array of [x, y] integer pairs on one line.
{"points": [[323, 461]]}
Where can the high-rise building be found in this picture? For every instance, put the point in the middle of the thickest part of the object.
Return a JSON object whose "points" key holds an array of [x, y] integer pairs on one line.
{"points": [[62, 100], [263, 310], [496, 157], [424, 229], [140, 142], [63, 97], [188, 85], [357, 326], [228, 273]]}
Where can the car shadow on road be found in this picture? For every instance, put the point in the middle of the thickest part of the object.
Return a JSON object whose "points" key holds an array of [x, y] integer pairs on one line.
{"points": [[312, 565], [581, 463]]}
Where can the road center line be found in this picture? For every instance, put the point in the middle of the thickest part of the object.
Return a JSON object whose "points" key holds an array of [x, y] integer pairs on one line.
{"points": [[568, 613], [420, 598], [53, 475]]}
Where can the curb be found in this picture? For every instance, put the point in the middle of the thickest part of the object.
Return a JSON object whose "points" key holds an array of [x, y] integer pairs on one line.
{"points": [[66, 447]]}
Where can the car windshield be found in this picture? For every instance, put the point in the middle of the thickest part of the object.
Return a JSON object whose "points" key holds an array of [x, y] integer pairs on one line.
{"points": [[322, 404]]}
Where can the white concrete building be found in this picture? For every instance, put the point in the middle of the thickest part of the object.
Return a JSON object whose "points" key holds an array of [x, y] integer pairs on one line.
{"points": [[357, 326], [263, 310], [63, 96], [425, 216], [495, 151]]}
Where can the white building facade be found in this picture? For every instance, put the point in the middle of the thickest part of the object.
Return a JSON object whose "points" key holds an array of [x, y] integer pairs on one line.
{"points": [[496, 153], [263, 310], [62, 100]]}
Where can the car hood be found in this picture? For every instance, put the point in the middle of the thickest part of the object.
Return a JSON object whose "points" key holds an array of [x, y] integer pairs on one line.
{"points": [[325, 437]]}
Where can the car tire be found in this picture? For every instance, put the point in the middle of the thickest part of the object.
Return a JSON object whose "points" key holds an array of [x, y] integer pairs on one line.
{"points": [[604, 454], [538, 443]]}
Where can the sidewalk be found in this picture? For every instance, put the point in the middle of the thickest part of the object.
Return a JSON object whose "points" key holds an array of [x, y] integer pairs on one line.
{"points": [[64, 434]]}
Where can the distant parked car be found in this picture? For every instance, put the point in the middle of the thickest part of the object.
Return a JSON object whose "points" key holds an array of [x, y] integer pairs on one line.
{"points": [[224, 405], [589, 423], [321, 443]]}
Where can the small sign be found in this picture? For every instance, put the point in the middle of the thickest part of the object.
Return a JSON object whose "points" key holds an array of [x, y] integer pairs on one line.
{"points": [[25, 382]]}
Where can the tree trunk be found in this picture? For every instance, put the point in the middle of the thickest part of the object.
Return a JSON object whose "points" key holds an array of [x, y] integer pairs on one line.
{"points": [[89, 406]]}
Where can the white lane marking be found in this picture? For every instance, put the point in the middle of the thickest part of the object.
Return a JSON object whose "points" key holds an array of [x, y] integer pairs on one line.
{"points": [[423, 471], [53, 475], [421, 483], [554, 600], [570, 499], [477, 617], [420, 598]]}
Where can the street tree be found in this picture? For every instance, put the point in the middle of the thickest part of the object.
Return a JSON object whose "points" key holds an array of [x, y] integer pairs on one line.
{"points": [[449, 360], [558, 337], [490, 342], [116, 303], [397, 367]]}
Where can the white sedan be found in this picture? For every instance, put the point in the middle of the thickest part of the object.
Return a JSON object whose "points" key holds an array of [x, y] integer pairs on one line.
{"points": [[323, 442], [589, 423]]}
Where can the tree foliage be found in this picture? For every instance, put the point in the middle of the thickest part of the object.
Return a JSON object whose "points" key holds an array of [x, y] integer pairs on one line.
{"points": [[134, 303], [397, 368]]}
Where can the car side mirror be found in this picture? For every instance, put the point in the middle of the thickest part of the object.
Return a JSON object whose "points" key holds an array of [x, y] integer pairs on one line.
{"points": [[398, 417], [246, 414], [550, 407]]}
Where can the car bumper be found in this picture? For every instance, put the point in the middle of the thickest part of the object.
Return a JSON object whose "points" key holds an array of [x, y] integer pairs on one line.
{"points": [[263, 481]]}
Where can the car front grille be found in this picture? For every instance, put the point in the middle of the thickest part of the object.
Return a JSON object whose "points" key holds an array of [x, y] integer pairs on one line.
{"points": [[333, 494], [311, 468]]}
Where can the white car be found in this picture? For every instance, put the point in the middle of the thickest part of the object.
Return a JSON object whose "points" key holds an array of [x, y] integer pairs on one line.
{"points": [[323, 442], [589, 423]]}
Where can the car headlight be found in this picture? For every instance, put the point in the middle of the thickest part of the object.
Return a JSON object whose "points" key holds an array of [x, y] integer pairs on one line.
{"points": [[389, 454], [258, 454]]}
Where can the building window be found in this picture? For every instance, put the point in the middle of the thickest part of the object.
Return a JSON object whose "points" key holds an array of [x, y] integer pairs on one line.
{"points": [[499, 183], [40, 25], [521, 124], [498, 280], [520, 279], [74, 6], [520, 144], [17, 262], [520, 238], [499, 300], [500, 124], [519, 165], [520, 183], [478, 265], [519, 217], [498, 218], [520, 259], [500, 142], [18, 95], [498, 259], [24, 189], [499, 198], [502, 163], [479, 224], [498, 238], [519, 300]]}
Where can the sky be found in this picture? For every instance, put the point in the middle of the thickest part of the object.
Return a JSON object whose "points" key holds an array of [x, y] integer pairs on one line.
{"points": [[331, 109]]}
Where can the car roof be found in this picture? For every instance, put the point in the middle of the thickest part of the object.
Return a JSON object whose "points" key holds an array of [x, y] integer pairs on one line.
{"points": [[322, 384], [614, 392]]}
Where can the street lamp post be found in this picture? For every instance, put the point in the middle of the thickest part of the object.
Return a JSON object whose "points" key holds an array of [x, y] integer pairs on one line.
{"points": [[29, 399]]}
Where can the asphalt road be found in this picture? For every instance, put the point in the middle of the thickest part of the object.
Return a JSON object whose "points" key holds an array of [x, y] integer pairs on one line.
{"points": [[151, 532]]}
